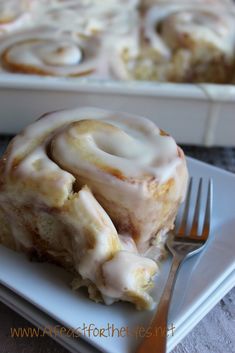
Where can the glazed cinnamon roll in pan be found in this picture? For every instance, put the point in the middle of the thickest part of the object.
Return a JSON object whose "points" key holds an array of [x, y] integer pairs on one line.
{"points": [[96, 192], [90, 18], [48, 52], [180, 43], [146, 3], [14, 14]]}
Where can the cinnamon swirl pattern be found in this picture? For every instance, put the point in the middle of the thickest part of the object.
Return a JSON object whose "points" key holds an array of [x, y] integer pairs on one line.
{"points": [[49, 52], [182, 43], [96, 192], [14, 14], [153, 40]]}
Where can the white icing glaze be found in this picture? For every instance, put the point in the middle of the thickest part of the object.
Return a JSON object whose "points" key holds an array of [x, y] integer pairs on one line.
{"points": [[88, 3], [115, 148], [54, 53], [14, 14], [125, 276], [47, 51], [36, 166], [179, 42], [133, 145], [147, 3], [11, 10], [98, 172], [71, 54], [95, 238], [87, 17], [202, 24], [124, 159]]}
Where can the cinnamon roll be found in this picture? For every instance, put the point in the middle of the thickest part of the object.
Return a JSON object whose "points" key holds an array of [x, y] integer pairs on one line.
{"points": [[56, 3], [146, 3], [181, 43], [14, 15], [96, 192], [87, 17], [49, 52]]}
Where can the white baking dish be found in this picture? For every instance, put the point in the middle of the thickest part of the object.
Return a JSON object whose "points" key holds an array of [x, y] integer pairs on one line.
{"points": [[194, 114]]}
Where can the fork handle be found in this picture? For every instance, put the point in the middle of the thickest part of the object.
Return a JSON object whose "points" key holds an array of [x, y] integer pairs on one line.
{"points": [[155, 340]]}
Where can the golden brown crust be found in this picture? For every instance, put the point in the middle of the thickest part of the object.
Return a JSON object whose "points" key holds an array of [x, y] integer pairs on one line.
{"points": [[182, 43], [81, 216], [32, 70]]}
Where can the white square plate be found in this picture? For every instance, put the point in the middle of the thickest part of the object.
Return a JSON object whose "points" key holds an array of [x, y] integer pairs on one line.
{"points": [[202, 281]]}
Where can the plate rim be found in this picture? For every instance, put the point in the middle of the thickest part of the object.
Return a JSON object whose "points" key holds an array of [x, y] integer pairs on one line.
{"points": [[196, 163]]}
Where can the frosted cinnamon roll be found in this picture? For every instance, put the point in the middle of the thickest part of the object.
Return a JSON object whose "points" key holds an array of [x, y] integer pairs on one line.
{"points": [[56, 3], [49, 52], [87, 17], [94, 191], [182, 43], [14, 15], [146, 3]]}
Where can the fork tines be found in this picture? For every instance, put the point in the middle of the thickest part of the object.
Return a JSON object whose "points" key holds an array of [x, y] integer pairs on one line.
{"points": [[198, 209]]}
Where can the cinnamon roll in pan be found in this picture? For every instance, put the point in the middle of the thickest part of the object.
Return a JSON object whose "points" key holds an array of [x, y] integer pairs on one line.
{"points": [[62, 3], [147, 3], [96, 192], [181, 43], [49, 52], [14, 15], [89, 18]]}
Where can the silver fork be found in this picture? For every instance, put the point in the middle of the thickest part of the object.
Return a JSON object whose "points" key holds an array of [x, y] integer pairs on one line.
{"points": [[182, 245]]}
